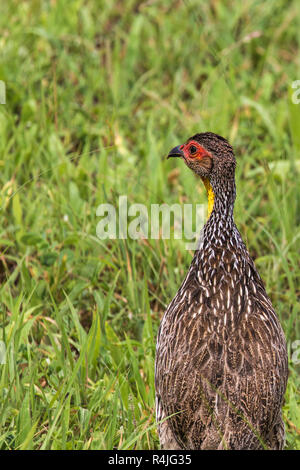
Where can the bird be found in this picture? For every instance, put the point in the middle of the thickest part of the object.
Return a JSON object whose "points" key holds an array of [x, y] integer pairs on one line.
{"points": [[221, 364]]}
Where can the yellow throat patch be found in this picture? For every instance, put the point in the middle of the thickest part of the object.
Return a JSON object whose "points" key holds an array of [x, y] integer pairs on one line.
{"points": [[210, 196]]}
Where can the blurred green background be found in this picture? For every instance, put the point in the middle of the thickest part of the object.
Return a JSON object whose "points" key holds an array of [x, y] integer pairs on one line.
{"points": [[97, 92]]}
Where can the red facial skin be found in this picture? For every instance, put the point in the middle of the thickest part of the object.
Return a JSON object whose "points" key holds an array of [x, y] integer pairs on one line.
{"points": [[197, 158], [190, 153]]}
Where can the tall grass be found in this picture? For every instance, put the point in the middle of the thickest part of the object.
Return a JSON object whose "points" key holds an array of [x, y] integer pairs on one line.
{"points": [[97, 93]]}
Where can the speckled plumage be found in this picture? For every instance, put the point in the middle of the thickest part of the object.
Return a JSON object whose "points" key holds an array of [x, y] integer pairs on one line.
{"points": [[221, 360]]}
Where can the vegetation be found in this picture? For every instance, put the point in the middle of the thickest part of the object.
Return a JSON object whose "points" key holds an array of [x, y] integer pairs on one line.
{"points": [[96, 95]]}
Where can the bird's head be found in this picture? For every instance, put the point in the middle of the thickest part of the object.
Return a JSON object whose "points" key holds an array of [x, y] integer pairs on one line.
{"points": [[211, 157]]}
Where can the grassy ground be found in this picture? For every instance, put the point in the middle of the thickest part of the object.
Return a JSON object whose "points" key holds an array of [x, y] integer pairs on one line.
{"points": [[97, 93]]}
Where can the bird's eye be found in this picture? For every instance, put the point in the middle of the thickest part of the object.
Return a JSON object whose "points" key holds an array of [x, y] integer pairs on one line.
{"points": [[193, 149]]}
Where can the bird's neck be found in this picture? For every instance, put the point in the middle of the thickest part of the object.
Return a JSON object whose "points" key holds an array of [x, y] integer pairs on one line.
{"points": [[220, 199]]}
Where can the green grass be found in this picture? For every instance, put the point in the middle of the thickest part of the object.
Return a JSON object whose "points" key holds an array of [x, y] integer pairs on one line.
{"points": [[97, 93]]}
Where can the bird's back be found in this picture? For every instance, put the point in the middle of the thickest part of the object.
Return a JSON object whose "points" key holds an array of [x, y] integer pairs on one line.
{"points": [[221, 362]]}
